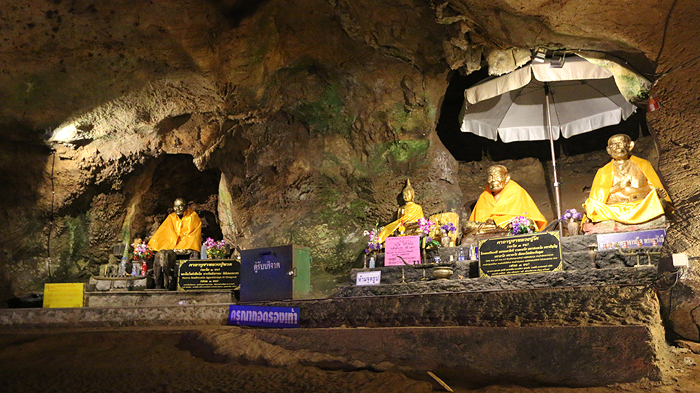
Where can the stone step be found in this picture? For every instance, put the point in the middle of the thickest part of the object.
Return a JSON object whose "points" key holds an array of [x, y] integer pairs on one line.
{"points": [[155, 297], [562, 336], [569, 306], [479, 356], [393, 276]]}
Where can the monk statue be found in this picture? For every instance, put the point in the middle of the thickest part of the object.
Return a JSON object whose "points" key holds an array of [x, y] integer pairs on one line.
{"points": [[407, 215], [180, 234], [627, 189], [502, 200]]}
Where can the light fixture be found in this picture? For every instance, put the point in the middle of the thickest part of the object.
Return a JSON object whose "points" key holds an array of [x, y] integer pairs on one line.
{"points": [[66, 133], [540, 54], [558, 59]]}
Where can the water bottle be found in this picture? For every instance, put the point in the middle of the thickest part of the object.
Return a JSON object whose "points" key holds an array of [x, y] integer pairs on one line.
{"points": [[460, 254], [371, 262]]}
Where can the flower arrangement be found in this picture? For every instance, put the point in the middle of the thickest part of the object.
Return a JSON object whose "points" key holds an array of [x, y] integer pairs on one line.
{"points": [[448, 228], [431, 244], [521, 225], [571, 214], [425, 225], [373, 243], [142, 251], [215, 250]]}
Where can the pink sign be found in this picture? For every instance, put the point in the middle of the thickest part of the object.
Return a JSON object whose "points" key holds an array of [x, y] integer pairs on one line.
{"points": [[407, 247]]}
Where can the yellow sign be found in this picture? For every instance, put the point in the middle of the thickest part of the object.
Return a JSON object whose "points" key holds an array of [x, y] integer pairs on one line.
{"points": [[63, 295]]}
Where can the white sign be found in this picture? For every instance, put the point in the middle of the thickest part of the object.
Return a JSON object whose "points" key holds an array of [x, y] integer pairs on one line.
{"points": [[369, 278]]}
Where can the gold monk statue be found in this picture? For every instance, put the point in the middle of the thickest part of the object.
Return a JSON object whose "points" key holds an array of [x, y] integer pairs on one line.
{"points": [[502, 200], [179, 234], [627, 189], [407, 215]]}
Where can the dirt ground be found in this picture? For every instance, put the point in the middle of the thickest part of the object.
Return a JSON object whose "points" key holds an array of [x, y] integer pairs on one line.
{"points": [[156, 360]]}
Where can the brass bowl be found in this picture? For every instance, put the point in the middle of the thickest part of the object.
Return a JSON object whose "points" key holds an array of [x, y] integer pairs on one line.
{"points": [[442, 272]]}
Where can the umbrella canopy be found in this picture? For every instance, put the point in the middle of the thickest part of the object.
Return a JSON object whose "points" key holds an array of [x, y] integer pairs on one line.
{"points": [[569, 100], [583, 97]]}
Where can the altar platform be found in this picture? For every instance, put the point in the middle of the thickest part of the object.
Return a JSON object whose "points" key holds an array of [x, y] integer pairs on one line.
{"points": [[595, 323]]}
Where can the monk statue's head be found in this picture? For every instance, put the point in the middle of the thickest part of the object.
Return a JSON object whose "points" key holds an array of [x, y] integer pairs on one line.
{"points": [[498, 177], [179, 206], [620, 146], [408, 192]]}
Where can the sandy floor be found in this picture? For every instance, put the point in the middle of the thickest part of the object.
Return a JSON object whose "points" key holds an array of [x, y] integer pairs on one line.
{"points": [[157, 361]]}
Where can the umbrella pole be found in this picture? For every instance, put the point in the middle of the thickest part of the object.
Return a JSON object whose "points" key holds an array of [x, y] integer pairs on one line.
{"points": [[554, 161]]}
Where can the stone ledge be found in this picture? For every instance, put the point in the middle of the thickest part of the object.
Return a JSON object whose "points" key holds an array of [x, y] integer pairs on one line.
{"points": [[642, 275], [575, 256], [22, 319], [156, 298], [543, 356], [569, 306], [610, 226], [539, 307]]}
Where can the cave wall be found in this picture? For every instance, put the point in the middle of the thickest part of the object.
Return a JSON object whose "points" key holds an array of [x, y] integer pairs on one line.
{"points": [[312, 114]]}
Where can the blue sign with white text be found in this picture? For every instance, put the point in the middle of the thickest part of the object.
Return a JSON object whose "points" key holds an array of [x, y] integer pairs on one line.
{"points": [[650, 238], [277, 317]]}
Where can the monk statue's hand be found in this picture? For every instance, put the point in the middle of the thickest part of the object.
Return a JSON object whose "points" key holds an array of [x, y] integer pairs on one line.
{"points": [[181, 252], [622, 186], [661, 192]]}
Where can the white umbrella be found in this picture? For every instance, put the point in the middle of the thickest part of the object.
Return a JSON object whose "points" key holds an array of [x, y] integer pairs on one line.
{"points": [[569, 100]]}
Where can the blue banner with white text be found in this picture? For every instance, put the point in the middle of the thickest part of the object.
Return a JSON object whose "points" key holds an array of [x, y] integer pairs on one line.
{"points": [[276, 317]]}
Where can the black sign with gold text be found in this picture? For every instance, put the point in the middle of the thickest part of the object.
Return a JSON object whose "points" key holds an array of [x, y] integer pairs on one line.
{"points": [[212, 274], [521, 254]]}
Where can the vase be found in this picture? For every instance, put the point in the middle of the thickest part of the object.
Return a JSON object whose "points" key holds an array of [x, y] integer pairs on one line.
{"points": [[445, 240], [573, 227]]}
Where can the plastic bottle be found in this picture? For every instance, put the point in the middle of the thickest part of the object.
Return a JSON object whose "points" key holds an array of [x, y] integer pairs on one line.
{"points": [[144, 268], [371, 262], [460, 254]]}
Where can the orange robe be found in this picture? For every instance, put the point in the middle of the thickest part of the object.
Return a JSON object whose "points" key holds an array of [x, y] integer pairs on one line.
{"points": [[412, 213], [514, 201], [635, 212], [178, 234]]}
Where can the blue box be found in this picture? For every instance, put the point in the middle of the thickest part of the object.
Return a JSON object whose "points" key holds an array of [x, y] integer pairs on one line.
{"points": [[275, 273]]}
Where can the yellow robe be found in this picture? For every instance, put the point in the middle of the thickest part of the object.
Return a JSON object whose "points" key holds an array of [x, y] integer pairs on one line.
{"points": [[178, 234], [412, 213], [514, 201], [635, 212]]}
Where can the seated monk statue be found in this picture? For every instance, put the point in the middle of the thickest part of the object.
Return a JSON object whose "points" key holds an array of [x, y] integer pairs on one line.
{"points": [[627, 189], [407, 214], [179, 234], [502, 200]]}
